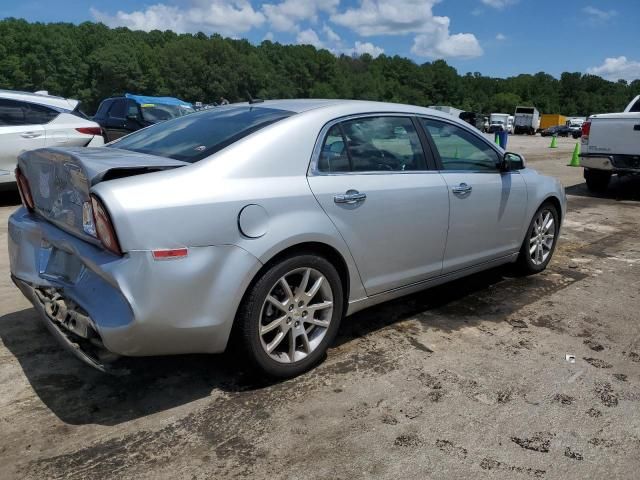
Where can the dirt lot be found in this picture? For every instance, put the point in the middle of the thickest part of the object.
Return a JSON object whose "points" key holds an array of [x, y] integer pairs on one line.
{"points": [[468, 380]]}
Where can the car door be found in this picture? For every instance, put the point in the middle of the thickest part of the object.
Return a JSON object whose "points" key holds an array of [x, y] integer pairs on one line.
{"points": [[372, 179], [18, 133], [487, 206]]}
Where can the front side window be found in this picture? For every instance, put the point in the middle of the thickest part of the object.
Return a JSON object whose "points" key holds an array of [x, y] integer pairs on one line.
{"points": [[383, 144], [460, 149], [193, 137]]}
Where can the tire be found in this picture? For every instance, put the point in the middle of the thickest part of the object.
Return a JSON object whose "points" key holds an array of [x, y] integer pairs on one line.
{"points": [[597, 180], [312, 331], [534, 262]]}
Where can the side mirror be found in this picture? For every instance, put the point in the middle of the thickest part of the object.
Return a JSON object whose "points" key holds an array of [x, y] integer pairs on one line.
{"points": [[513, 161]]}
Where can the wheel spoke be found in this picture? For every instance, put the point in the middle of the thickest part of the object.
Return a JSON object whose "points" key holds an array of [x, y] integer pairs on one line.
{"points": [[319, 323], [548, 224], [305, 342], [286, 288], [273, 325], [276, 341], [533, 249], [314, 289], [318, 306], [304, 282], [277, 303], [292, 345]]}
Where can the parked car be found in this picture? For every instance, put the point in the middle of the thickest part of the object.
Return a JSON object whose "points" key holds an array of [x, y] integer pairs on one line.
{"points": [[474, 119], [558, 131], [611, 145], [35, 120], [269, 221], [120, 116]]}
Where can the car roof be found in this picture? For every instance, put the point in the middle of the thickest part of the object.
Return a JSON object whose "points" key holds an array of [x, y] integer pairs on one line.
{"points": [[356, 106], [40, 98]]}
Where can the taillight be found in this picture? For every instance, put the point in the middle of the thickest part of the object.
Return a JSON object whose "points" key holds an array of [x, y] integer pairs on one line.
{"points": [[25, 190], [586, 128], [104, 227], [90, 130]]}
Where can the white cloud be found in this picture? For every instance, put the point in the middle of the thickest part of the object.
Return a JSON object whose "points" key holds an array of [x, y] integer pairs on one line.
{"points": [[400, 17], [286, 16], [225, 17], [309, 37], [499, 4], [599, 15], [268, 36], [501, 37], [332, 36], [617, 68], [360, 48]]}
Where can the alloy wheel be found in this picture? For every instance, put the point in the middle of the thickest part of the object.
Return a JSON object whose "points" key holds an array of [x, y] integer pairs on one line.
{"points": [[295, 315], [542, 237]]}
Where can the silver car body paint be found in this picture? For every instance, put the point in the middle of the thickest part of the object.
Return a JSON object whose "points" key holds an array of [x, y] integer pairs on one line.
{"points": [[239, 208]]}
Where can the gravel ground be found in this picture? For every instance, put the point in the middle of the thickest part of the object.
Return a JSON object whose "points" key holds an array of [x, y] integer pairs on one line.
{"points": [[466, 380]]}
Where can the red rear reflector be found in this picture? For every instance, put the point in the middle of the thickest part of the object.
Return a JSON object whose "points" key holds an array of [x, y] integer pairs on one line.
{"points": [[25, 190], [90, 130], [586, 128], [170, 253]]}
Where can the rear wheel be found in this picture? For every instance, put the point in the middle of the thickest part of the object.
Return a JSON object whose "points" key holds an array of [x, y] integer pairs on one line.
{"points": [[291, 315], [597, 180], [540, 241]]}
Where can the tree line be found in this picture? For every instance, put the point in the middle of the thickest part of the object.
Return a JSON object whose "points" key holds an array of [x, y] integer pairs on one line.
{"points": [[91, 61]]}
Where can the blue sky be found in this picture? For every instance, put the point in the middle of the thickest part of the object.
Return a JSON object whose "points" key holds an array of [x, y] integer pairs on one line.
{"points": [[494, 37]]}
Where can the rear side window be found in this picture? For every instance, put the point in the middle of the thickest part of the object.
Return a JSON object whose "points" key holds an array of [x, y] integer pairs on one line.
{"points": [[14, 113], [118, 108], [636, 107], [103, 108], [198, 135], [460, 149], [372, 144], [39, 114]]}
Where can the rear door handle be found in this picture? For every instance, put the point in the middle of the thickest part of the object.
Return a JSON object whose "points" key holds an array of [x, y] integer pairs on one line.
{"points": [[31, 134], [350, 197], [462, 189]]}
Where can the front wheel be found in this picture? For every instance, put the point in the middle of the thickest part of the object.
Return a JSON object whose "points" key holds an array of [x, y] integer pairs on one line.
{"points": [[540, 242], [291, 315], [597, 180]]}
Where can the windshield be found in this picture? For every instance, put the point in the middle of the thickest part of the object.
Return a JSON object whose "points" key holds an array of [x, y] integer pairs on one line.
{"points": [[193, 137], [158, 112]]}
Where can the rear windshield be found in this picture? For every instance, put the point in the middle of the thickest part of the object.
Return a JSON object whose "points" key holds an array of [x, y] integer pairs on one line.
{"points": [[198, 135], [524, 110]]}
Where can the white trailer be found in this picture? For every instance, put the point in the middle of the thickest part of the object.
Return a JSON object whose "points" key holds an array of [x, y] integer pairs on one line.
{"points": [[526, 120]]}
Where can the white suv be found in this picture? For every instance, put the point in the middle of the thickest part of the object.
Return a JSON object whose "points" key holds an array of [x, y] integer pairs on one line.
{"points": [[33, 120]]}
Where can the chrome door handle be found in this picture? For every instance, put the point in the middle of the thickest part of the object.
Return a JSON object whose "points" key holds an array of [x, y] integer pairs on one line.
{"points": [[350, 197], [463, 188], [30, 134]]}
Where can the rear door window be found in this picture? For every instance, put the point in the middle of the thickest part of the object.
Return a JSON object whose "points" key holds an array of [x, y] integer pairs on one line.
{"points": [[383, 144], [39, 114], [103, 108], [118, 109], [12, 113]]}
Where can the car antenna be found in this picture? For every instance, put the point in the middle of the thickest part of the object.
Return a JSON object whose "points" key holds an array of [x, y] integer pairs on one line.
{"points": [[254, 100]]}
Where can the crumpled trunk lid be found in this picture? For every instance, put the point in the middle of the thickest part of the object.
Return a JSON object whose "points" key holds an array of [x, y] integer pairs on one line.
{"points": [[61, 178]]}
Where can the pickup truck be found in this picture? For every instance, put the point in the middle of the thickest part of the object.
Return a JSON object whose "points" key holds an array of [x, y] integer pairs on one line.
{"points": [[611, 145]]}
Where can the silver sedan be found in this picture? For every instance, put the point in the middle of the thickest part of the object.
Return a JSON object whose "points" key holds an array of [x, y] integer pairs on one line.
{"points": [[266, 223]]}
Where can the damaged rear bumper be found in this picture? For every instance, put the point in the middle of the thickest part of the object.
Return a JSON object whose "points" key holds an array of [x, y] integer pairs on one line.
{"points": [[99, 304]]}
